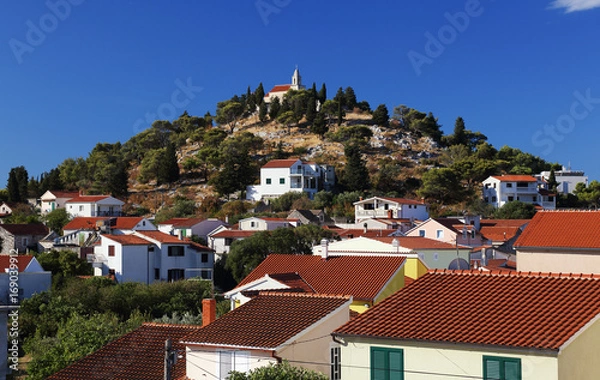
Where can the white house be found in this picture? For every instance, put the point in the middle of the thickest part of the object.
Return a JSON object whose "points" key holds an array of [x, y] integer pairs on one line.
{"points": [[499, 190], [52, 200], [255, 223], [79, 229], [150, 256], [280, 90], [390, 208], [221, 240], [94, 205], [567, 179], [32, 277], [187, 227], [278, 177], [5, 209]]}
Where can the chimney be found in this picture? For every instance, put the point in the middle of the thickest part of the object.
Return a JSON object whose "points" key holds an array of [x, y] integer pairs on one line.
{"points": [[209, 311], [325, 249]]}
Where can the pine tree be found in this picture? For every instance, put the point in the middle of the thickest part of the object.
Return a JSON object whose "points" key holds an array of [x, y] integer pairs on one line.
{"points": [[319, 126], [17, 184], [350, 98], [274, 108], [552, 182], [322, 96], [250, 101], [259, 94], [311, 109], [356, 175], [262, 112], [381, 116], [168, 169]]}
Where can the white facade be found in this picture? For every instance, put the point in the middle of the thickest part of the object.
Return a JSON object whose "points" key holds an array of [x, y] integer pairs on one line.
{"points": [[263, 224], [279, 91], [94, 206], [390, 208], [201, 229], [139, 258], [567, 179], [499, 190], [282, 176], [52, 200], [32, 280]]}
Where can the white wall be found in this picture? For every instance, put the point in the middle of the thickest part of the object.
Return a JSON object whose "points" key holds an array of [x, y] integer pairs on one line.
{"points": [[203, 362]]}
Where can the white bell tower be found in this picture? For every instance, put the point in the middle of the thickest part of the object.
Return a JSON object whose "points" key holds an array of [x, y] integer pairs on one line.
{"points": [[296, 80]]}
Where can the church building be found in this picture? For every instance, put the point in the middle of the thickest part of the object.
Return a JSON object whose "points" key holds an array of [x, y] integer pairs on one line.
{"points": [[279, 90]]}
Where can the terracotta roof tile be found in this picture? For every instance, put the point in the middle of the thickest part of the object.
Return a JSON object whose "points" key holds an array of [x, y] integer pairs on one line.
{"points": [[515, 178], [65, 194], [417, 242], [521, 310], [161, 237], [127, 222], [405, 201], [22, 262], [83, 223], [280, 88], [183, 222], [285, 163], [293, 280], [138, 355], [127, 239], [87, 198], [562, 229], [356, 232], [267, 320], [233, 234], [363, 277]]}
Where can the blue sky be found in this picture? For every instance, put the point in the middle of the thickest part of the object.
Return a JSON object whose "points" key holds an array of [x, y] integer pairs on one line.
{"points": [[77, 72]]}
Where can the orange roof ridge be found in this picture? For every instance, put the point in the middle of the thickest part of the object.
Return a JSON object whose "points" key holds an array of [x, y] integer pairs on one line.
{"points": [[499, 272], [298, 294]]}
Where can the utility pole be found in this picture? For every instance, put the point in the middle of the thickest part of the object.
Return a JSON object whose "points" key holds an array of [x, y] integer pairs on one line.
{"points": [[170, 359]]}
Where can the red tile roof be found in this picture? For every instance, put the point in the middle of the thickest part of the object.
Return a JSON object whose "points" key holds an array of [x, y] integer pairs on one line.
{"points": [[83, 223], [357, 232], [286, 163], [404, 201], [363, 277], [127, 239], [280, 88], [520, 310], [35, 229], [562, 229], [87, 198], [515, 178], [127, 222], [65, 194], [500, 264], [22, 261], [293, 280], [268, 320], [233, 234], [183, 222], [138, 355], [161, 237]]}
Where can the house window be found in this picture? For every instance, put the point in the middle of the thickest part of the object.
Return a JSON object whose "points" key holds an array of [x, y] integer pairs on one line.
{"points": [[522, 184], [144, 223], [80, 208], [369, 206], [386, 206], [486, 199], [464, 232], [282, 181], [422, 233], [387, 364], [268, 180], [534, 198], [493, 199], [176, 274], [551, 199], [150, 248], [472, 234], [494, 186], [111, 250], [157, 273], [336, 363], [176, 250], [439, 234], [204, 257], [228, 241], [511, 198], [252, 224], [501, 368], [509, 184]]}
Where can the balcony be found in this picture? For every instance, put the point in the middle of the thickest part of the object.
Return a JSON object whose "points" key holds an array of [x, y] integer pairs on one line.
{"points": [[374, 213]]}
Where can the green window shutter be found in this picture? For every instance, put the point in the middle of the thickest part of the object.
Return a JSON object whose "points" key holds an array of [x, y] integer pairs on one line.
{"points": [[501, 368], [512, 369], [387, 364], [491, 369]]}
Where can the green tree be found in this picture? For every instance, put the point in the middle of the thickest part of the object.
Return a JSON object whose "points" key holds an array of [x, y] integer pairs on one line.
{"points": [[73, 173], [17, 184], [278, 371], [311, 109], [319, 126], [441, 186], [515, 210], [287, 119], [57, 219], [259, 94], [381, 116], [552, 182], [238, 170], [356, 175], [350, 98], [263, 112], [322, 95], [229, 112], [274, 108], [168, 169]]}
